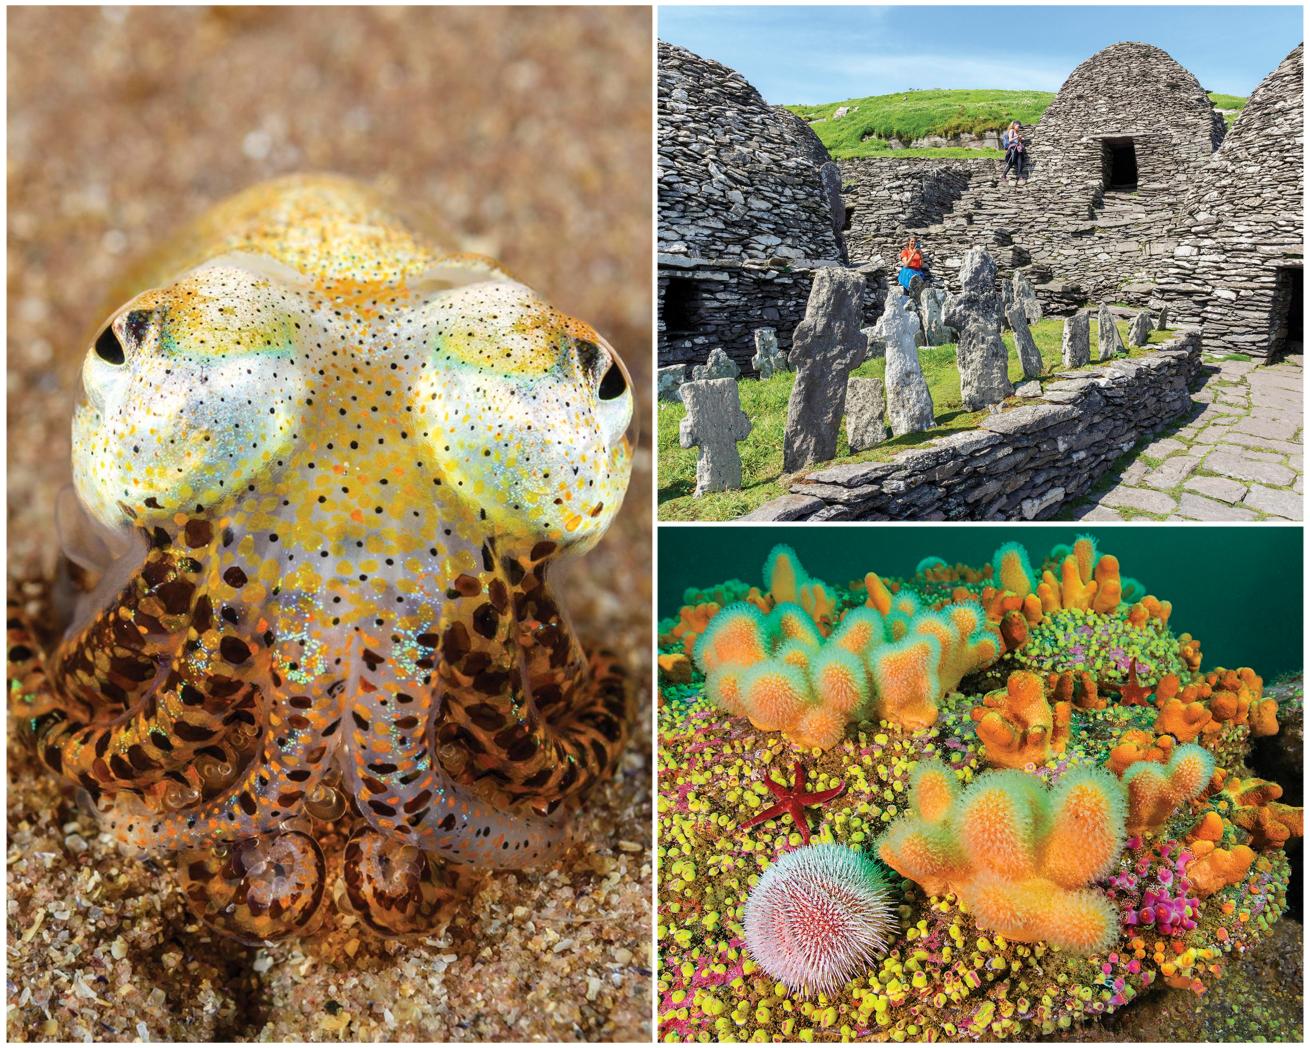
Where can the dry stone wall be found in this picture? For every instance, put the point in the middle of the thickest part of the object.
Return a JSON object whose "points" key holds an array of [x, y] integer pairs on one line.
{"points": [[749, 205], [1075, 237], [707, 305], [1236, 268], [1023, 463]]}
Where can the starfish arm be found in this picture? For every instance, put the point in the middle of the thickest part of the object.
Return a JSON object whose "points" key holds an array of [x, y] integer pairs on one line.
{"points": [[797, 812], [764, 816]]}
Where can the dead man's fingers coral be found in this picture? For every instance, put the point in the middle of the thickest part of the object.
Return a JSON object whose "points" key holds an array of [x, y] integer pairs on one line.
{"points": [[1156, 791], [737, 636]]}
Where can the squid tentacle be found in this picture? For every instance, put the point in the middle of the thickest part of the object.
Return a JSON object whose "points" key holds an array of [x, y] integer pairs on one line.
{"points": [[405, 794], [539, 716]]}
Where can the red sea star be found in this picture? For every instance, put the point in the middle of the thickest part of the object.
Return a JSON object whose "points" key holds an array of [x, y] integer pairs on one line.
{"points": [[792, 800], [1131, 693]]}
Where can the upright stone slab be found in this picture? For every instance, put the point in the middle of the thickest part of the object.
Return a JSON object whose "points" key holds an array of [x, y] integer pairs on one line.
{"points": [[1076, 345], [1139, 334], [713, 424], [825, 347], [1162, 324], [1030, 357], [1025, 296], [877, 348], [769, 358], [909, 404], [979, 351], [931, 306], [865, 407], [718, 365], [669, 379], [1108, 343], [1007, 300]]}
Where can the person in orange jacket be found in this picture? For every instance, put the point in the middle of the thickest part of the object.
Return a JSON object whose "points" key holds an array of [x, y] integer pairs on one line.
{"points": [[911, 276]]}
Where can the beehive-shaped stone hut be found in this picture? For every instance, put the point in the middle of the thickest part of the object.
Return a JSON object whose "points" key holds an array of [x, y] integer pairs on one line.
{"points": [[1127, 120], [1109, 162], [1237, 262], [749, 204]]}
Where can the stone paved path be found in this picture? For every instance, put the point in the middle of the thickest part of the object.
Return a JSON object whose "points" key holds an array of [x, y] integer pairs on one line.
{"points": [[1237, 457]]}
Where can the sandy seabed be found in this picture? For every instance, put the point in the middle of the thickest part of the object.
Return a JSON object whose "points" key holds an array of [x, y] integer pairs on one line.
{"points": [[527, 132]]}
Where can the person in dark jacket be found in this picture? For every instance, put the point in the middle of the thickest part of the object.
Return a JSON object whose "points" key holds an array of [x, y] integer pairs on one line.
{"points": [[1016, 153]]}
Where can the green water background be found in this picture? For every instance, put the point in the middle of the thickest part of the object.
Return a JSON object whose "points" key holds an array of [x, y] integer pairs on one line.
{"points": [[1238, 589]]}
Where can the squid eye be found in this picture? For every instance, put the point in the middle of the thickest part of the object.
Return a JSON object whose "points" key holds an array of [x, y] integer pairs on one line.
{"points": [[614, 384], [108, 348]]}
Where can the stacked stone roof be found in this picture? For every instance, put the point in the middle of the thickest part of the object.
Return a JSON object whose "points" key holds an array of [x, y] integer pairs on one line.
{"points": [[1242, 220], [738, 179], [1127, 90]]}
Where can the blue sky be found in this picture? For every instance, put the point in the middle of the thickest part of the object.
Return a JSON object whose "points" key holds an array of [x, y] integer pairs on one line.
{"points": [[824, 54]]}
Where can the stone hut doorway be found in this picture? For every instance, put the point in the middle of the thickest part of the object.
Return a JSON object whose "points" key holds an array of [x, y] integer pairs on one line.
{"points": [[682, 311], [1288, 320], [1118, 165]]}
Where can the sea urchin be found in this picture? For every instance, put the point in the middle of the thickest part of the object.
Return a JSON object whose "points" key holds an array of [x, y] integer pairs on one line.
{"points": [[819, 916]]}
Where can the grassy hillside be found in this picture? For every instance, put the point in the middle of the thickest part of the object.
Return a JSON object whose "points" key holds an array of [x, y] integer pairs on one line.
{"points": [[907, 115]]}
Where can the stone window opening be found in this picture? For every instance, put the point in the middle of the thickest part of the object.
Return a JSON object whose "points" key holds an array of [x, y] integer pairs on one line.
{"points": [[682, 308], [1119, 165], [1288, 316]]}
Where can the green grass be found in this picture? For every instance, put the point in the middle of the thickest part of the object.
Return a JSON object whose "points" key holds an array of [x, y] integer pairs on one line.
{"points": [[877, 148], [1227, 101], [907, 115], [765, 403]]}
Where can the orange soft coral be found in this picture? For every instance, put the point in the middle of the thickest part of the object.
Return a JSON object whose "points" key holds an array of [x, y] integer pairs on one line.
{"points": [[1136, 745], [1183, 720], [1018, 855], [1213, 868], [1189, 650], [692, 621], [1258, 811], [1150, 608], [1264, 718], [1078, 688], [1156, 791], [934, 652], [879, 596], [1018, 726]]}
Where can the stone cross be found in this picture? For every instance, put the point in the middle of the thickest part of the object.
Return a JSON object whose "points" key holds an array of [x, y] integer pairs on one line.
{"points": [[768, 359], [865, 405], [714, 423], [1140, 332], [1108, 343], [1076, 346], [1030, 357], [909, 403], [979, 352], [825, 348], [669, 379], [718, 365]]}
